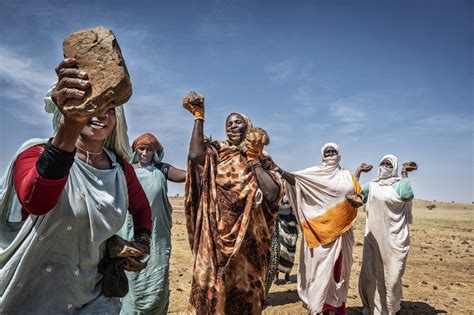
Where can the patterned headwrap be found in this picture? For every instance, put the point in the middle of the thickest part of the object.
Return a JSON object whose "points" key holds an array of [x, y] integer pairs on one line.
{"points": [[150, 141], [117, 141], [147, 140]]}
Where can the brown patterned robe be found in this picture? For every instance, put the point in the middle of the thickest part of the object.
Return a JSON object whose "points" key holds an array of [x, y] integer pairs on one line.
{"points": [[229, 232]]}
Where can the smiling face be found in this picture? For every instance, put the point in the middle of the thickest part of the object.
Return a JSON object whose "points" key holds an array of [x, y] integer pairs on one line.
{"points": [[235, 127], [145, 155], [99, 128]]}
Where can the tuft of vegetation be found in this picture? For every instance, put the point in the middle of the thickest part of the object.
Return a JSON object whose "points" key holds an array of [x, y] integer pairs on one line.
{"points": [[431, 206]]}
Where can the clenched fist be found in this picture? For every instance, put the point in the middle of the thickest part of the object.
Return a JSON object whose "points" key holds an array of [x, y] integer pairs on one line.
{"points": [[194, 103], [365, 167], [355, 200], [410, 166], [72, 84], [138, 263], [255, 140]]}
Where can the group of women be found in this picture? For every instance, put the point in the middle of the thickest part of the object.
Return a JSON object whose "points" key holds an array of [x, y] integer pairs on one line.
{"points": [[62, 198]]}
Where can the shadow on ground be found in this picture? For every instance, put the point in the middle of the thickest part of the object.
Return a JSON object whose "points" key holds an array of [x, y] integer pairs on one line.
{"points": [[282, 298], [408, 308]]}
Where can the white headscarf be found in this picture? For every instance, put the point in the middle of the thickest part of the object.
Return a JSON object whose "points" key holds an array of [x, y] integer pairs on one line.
{"points": [[331, 160], [117, 141], [389, 176]]}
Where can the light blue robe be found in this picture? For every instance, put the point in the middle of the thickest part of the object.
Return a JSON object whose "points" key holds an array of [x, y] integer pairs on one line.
{"points": [[149, 288], [49, 263], [402, 188]]}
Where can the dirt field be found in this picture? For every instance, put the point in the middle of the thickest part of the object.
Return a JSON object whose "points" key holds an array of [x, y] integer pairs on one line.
{"points": [[439, 277]]}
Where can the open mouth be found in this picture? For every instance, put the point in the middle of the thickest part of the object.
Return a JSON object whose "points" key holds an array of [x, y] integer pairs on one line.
{"points": [[97, 124]]}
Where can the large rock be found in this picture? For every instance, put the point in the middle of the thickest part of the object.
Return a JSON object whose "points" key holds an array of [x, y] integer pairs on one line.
{"points": [[120, 248], [193, 98], [98, 53]]}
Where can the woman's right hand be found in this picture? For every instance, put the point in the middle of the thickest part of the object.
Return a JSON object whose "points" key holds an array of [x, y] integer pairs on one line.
{"points": [[72, 84], [194, 103], [363, 168]]}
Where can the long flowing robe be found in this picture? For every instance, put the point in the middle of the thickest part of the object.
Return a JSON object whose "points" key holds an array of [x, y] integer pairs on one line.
{"points": [[229, 228], [325, 218], [49, 263], [149, 288], [386, 245]]}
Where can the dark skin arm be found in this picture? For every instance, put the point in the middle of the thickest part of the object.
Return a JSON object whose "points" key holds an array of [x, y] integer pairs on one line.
{"points": [[408, 167], [267, 185], [176, 175], [353, 199], [288, 177], [194, 103], [255, 140], [197, 151], [363, 168]]}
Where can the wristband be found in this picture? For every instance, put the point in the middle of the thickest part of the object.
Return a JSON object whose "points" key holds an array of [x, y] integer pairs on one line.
{"points": [[254, 163]]}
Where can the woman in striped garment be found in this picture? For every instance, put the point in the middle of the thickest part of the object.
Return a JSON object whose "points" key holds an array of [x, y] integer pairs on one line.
{"points": [[284, 240]]}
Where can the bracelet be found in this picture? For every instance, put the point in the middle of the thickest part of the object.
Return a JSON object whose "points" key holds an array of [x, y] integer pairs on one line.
{"points": [[143, 239], [254, 163]]}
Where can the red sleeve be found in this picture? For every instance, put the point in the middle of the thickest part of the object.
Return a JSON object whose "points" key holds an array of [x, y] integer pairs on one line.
{"points": [[36, 194], [139, 207]]}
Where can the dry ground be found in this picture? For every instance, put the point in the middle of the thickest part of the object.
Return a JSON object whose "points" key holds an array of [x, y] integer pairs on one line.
{"points": [[438, 279]]}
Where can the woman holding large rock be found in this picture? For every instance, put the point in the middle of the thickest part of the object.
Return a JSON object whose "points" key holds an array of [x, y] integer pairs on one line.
{"points": [[60, 200]]}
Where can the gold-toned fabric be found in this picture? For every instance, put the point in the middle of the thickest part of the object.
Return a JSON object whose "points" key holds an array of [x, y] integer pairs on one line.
{"points": [[324, 229], [230, 226]]}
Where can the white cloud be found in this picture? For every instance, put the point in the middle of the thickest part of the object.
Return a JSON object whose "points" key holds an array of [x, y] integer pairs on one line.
{"points": [[25, 81], [305, 100], [350, 112], [281, 71], [23, 72], [445, 124]]}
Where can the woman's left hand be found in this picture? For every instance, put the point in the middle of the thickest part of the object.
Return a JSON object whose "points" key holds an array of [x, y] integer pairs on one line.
{"points": [[135, 264], [255, 140], [410, 166]]}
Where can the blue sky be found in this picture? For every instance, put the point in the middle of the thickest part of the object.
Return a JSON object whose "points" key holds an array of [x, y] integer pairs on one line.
{"points": [[375, 77]]}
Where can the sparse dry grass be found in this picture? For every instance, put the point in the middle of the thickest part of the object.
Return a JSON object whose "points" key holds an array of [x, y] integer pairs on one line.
{"points": [[439, 277]]}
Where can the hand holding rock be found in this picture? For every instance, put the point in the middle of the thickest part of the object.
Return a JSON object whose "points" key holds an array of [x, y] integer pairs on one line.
{"points": [[255, 140], [194, 103]]}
